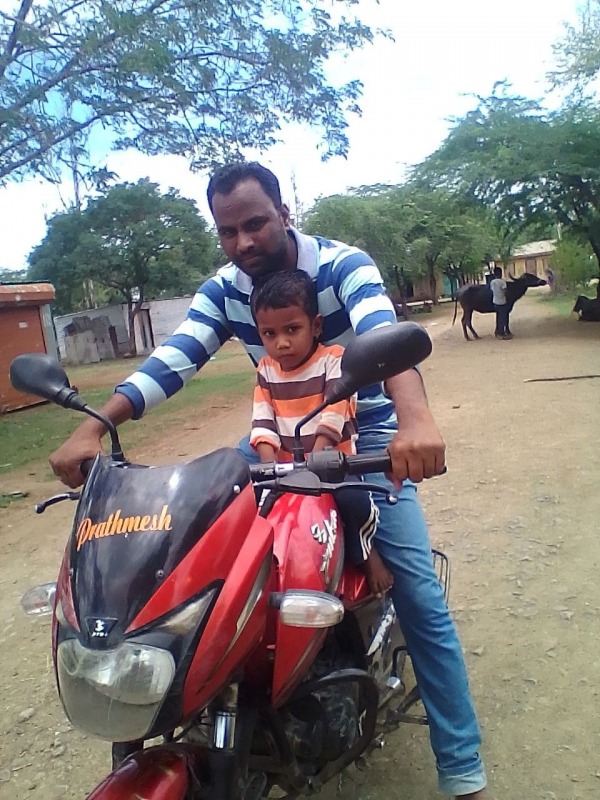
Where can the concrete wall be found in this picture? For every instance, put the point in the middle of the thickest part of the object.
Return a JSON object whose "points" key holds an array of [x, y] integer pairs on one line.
{"points": [[115, 315], [166, 315]]}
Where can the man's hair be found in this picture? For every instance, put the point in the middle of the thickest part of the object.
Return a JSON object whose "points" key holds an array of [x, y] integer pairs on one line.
{"points": [[498, 272], [226, 178], [288, 287]]}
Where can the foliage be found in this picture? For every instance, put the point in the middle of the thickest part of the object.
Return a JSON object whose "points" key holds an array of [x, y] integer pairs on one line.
{"points": [[205, 79], [133, 241], [409, 231], [527, 165], [573, 264], [577, 53], [13, 275]]}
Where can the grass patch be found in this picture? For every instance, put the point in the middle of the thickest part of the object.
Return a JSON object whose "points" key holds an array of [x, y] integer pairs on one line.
{"points": [[34, 433], [561, 303], [11, 497]]}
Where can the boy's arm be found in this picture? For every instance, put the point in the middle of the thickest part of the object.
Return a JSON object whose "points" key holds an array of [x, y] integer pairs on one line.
{"points": [[264, 436], [330, 429]]}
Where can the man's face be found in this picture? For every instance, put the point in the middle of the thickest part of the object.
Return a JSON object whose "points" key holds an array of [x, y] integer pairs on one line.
{"points": [[252, 231]]}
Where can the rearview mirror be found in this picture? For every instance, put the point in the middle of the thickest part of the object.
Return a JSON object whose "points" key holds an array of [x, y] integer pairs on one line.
{"points": [[380, 354], [42, 375]]}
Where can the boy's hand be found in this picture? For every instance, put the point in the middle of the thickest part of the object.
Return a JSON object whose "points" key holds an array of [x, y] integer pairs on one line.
{"points": [[266, 452]]}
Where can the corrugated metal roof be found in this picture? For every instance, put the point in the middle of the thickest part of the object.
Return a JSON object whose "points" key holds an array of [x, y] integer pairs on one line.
{"points": [[531, 249], [15, 293]]}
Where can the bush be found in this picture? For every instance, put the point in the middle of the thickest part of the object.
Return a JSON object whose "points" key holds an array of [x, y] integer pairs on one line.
{"points": [[574, 264]]}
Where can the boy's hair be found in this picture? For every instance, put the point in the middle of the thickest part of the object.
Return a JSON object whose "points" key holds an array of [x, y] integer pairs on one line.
{"points": [[288, 287], [226, 178], [497, 272]]}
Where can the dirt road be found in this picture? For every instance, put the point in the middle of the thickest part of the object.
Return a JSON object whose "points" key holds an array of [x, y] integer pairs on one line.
{"points": [[518, 513]]}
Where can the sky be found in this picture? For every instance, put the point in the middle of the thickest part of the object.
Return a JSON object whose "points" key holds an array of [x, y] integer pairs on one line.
{"points": [[443, 53]]}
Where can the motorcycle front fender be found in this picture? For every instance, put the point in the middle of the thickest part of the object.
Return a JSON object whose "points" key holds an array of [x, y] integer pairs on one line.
{"points": [[158, 773]]}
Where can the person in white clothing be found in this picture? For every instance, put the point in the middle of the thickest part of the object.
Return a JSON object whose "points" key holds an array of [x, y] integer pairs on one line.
{"points": [[498, 287]]}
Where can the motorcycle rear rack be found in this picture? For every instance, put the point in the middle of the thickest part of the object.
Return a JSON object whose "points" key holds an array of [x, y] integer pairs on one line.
{"points": [[441, 566]]}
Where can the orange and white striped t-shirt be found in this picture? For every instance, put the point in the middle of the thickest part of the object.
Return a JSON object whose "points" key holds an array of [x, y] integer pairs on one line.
{"points": [[281, 399]]}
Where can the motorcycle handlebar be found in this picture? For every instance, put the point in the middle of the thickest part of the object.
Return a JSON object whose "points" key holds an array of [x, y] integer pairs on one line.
{"points": [[328, 465], [362, 463]]}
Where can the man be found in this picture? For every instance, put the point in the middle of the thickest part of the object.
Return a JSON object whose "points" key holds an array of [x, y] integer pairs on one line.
{"points": [[255, 232], [498, 287]]}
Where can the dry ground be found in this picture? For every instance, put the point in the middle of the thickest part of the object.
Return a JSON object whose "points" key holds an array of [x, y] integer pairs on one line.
{"points": [[518, 515]]}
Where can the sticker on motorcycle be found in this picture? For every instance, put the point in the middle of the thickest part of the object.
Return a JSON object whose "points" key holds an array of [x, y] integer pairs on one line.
{"points": [[116, 525], [100, 627], [327, 535]]}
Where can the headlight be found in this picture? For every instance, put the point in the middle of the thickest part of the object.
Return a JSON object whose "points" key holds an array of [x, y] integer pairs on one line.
{"points": [[113, 694]]}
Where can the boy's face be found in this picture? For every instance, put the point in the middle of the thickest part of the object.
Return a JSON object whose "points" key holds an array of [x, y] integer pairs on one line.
{"points": [[288, 334]]}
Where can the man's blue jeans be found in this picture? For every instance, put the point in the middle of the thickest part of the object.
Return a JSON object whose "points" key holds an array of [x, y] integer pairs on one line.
{"points": [[403, 542]]}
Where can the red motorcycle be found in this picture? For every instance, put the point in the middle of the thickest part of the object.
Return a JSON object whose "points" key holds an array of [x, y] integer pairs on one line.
{"points": [[231, 628]]}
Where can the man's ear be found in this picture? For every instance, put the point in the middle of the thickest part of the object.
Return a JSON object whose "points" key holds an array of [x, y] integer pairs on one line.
{"points": [[284, 213], [317, 326]]}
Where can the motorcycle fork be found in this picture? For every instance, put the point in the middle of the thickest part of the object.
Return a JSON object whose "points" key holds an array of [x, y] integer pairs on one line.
{"points": [[122, 750], [227, 758], [225, 719]]}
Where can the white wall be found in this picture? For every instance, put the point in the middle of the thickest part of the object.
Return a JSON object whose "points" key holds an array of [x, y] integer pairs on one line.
{"points": [[166, 315], [115, 314]]}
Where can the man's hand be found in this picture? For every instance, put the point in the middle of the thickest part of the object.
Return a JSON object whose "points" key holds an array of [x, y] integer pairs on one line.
{"points": [[66, 461], [417, 450], [85, 442]]}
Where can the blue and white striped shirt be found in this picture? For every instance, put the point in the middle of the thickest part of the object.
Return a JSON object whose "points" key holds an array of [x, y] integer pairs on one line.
{"points": [[352, 300]]}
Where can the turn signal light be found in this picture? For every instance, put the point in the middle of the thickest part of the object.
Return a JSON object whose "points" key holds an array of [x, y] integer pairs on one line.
{"points": [[309, 609]]}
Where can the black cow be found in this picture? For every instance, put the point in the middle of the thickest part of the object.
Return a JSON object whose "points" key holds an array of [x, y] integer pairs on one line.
{"points": [[479, 298], [588, 310]]}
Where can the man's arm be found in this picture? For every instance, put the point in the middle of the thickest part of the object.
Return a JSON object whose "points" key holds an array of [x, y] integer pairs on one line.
{"points": [[417, 450], [162, 374]]}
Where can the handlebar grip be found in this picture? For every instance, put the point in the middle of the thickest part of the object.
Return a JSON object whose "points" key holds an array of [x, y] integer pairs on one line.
{"points": [[374, 462], [369, 462]]}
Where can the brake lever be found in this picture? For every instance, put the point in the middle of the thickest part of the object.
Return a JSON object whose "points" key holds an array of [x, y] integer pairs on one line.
{"points": [[315, 488], [58, 498]]}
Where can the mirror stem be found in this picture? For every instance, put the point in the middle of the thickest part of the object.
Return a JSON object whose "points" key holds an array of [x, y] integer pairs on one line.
{"points": [[116, 451], [299, 455]]}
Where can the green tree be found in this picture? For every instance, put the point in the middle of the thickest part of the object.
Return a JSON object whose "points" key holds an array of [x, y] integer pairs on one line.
{"points": [[133, 241], [530, 167], [13, 275], [409, 231], [577, 53], [205, 79], [573, 264]]}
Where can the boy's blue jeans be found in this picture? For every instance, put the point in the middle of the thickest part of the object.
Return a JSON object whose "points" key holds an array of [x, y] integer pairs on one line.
{"points": [[403, 542]]}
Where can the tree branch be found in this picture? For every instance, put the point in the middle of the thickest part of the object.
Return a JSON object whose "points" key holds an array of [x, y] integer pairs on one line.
{"points": [[14, 36], [49, 145]]}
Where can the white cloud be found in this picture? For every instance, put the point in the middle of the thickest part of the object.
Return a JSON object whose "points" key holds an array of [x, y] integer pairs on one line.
{"points": [[442, 52]]}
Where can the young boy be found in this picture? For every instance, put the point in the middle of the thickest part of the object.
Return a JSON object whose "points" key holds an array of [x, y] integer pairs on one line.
{"points": [[291, 381]]}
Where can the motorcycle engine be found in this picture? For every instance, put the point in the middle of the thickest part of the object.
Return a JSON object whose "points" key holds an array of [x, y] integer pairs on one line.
{"points": [[323, 725]]}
